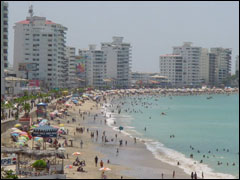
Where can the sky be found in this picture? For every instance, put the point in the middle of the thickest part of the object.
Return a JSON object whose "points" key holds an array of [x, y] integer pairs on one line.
{"points": [[152, 28]]}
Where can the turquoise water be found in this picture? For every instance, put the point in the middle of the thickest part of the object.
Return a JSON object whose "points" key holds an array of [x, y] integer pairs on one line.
{"points": [[204, 124]]}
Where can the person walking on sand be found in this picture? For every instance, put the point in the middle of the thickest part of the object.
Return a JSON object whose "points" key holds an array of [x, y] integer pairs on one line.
{"points": [[162, 175], [202, 175], [96, 161], [101, 164], [81, 144], [195, 175], [192, 175], [173, 174]]}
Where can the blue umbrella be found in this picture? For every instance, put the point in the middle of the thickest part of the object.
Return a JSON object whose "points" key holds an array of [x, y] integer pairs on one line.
{"points": [[120, 128], [15, 134]]}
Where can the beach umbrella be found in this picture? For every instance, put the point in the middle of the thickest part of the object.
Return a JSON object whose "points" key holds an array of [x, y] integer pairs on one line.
{"points": [[23, 133], [17, 125], [20, 143], [105, 169], [39, 139], [61, 125], [69, 166], [17, 131], [76, 153], [14, 134], [120, 128], [22, 138], [34, 126], [14, 128]]}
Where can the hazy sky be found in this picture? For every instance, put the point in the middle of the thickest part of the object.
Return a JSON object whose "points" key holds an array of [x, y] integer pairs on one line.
{"points": [[152, 28]]}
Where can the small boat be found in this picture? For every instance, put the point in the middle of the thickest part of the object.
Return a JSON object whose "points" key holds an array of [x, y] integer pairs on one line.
{"points": [[209, 97]]}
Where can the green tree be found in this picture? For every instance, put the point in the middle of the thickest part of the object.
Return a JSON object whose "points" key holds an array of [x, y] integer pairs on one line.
{"points": [[8, 174]]}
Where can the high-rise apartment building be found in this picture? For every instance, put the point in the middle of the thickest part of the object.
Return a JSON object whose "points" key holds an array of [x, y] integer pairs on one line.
{"points": [[212, 69], [41, 43], [204, 66], [95, 66], [118, 59], [191, 63], [171, 66], [222, 64], [4, 43], [72, 76]]}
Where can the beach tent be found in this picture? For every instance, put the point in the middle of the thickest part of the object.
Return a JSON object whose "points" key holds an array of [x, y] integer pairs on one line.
{"points": [[45, 131], [42, 104]]}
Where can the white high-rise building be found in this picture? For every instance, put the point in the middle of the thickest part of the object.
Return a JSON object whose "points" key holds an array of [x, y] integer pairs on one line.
{"points": [[191, 63], [204, 66], [118, 61], [237, 64], [41, 42], [95, 61], [71, 58], [4, 43], [222, 64], [171, 66]]}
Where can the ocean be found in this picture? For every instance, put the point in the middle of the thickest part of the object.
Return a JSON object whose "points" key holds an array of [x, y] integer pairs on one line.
{"points": [[206, 128]]}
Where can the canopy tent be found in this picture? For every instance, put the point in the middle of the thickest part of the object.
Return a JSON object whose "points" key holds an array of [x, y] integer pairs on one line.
{"points": [[45, 131], [42, 104]]}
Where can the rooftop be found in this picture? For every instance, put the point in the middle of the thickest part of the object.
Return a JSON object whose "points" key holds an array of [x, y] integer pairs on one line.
{"points": [[27, 22]]}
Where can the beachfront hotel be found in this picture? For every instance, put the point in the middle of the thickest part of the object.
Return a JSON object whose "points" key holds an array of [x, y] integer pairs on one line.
{"points": [[41, 42], [94, 64], [118, 61], [219, 65], [171, 66], [191, 56], [4, 43]]}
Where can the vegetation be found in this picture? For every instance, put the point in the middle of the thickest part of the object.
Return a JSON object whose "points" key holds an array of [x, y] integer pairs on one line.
{"points": [[39, 164], [8, 174], [232, 81]]}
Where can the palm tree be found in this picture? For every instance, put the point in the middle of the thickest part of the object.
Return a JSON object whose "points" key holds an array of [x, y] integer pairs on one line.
{"points": [[26, 108]]}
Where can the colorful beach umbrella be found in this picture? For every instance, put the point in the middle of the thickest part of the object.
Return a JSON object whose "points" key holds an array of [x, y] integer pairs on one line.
{"points": [[23, 133], [76, 153], [17, 131], [14, 134], [61, 125], [39, 139], [17, 125], [105, 169], [20, 143], [69, 166]]}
